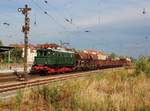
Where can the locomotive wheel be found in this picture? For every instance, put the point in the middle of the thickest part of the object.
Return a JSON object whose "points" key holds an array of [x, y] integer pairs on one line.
{"points": [[43, 73]]}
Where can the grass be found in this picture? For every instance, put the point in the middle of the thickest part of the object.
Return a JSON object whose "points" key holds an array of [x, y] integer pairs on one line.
{"points": [[113, 90]]}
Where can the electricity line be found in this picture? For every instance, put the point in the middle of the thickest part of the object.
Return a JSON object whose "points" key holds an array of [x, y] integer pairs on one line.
{"points": [[68, 20], [50, 16]]}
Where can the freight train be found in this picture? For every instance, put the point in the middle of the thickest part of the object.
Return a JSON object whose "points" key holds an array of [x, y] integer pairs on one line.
{"points": [[56, 60]]}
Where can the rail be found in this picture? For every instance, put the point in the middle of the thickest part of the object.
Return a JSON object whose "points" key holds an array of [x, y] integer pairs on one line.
{"points": [[41, 81]]}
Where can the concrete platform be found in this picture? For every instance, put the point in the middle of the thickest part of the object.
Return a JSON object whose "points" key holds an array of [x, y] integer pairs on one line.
{"points": [[12, 70]]}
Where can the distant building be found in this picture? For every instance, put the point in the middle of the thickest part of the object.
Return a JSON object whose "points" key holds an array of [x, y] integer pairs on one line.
{"points": [[31, 53], [5, 49]]}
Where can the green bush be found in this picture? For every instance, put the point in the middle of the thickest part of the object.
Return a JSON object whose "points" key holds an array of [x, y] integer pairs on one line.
{"points": [[142, 65]]}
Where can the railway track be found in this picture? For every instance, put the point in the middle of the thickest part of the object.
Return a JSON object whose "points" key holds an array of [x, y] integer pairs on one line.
{"points": [[42, 81], [4, 77]]}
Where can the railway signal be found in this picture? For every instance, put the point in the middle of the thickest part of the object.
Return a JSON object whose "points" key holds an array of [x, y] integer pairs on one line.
{"points": [[25, 30]]}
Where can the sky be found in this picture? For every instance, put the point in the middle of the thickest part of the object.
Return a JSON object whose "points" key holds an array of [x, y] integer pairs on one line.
{"points": [[117, 26]]}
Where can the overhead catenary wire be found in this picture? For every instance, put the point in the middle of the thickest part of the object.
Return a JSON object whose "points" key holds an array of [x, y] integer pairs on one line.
{"points": [[66, 19], [49, 15], [52, 18], [44, 11], [35, 17]]}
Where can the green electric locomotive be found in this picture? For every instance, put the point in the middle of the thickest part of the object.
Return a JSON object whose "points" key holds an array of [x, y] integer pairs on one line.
{"points": [[53, 61]]}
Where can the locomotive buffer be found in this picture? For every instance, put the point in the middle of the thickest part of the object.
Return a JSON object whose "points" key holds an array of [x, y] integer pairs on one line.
{"points": [[25, 30]]}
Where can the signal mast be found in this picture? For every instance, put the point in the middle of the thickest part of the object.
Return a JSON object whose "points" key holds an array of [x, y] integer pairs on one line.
{"points": [[25, 30]]}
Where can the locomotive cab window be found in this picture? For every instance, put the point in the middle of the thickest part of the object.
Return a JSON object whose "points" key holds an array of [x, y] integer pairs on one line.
{"points": [[39, 53]]}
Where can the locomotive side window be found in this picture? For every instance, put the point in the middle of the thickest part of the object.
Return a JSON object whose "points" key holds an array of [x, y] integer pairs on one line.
{"points": [[62, 54]]}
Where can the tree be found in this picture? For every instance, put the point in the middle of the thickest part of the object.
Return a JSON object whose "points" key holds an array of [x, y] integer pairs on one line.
{"points": [[16, 54], [1, 54], [142, 65], [1, 43], [113, 55]]}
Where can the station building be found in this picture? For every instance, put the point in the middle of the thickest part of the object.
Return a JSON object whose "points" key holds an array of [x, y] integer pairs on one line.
{"points": [[6, 49]]}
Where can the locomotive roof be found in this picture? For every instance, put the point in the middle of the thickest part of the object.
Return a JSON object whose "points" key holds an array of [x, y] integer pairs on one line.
{"points": [[58, 50]]}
